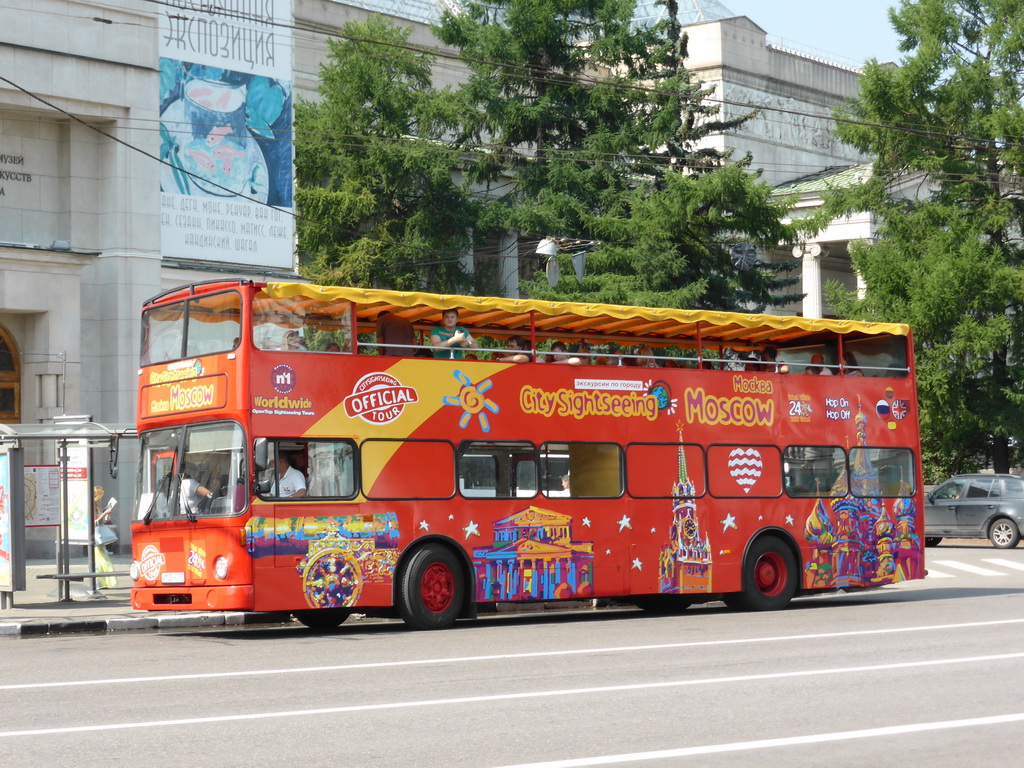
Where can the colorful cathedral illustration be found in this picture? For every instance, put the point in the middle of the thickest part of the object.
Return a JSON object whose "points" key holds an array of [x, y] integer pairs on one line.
{"points": [[855, 541]]}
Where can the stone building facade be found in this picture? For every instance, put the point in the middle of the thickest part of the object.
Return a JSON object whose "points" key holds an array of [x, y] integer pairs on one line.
{"points": [[85, 204]]}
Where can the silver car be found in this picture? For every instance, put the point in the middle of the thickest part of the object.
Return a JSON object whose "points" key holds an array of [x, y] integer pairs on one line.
{"points": [[976, 507]]}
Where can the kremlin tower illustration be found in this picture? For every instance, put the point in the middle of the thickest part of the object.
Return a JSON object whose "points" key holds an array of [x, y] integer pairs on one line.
{"points": [[685, 562]]}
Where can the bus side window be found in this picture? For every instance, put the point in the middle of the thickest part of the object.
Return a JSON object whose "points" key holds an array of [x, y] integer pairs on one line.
{"points": [[895, 469], [497, 469], [595, 470], [330, 468], [814, 471]]}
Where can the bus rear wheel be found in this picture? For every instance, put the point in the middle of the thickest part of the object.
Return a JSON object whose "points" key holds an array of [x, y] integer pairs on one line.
{"points": [[323, 619], [431, 589], [769, 577]]}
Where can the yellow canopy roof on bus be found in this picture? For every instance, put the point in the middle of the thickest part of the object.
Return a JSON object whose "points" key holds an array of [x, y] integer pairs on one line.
{"points": [[503, 316]]}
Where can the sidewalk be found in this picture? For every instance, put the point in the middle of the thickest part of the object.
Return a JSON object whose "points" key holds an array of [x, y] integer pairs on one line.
{"points": [[37, 610]]}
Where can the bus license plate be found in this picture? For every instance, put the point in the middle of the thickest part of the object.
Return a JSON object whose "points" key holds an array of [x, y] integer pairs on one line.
{"points": [[172, 578]]}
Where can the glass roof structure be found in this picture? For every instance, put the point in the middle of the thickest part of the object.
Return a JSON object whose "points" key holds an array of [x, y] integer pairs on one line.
{"points": [[647, 11], [423, 11]]}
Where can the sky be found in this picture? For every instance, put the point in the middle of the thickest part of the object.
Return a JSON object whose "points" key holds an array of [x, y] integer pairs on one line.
{"points": [[826, 26]]}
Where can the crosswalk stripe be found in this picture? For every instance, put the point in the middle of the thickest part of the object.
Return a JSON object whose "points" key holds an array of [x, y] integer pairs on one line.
{"points": [[933, 574], [978, 571], [1005, 563]]}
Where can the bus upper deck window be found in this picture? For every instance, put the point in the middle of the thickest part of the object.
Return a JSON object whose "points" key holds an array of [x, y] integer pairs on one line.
{"points": [[299, 324]]}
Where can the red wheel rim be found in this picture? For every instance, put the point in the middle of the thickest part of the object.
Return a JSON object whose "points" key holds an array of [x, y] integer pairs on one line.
{"points": [[770, 574], [437, 587]]}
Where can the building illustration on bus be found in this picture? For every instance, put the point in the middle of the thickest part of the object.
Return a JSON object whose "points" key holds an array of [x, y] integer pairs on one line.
{"points": [[294, 459]]}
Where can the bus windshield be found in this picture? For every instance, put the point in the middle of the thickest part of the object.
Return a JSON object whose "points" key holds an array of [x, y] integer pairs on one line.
{"points": [[201, 325], [193, 471]]}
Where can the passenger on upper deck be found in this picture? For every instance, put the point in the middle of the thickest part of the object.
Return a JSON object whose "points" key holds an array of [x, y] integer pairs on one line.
{"points": [[451, 338], [645, 357], [519, 351], [560, 354], [772, 364], [395, 335], [817, 366], [850, 365], [294, 342]]}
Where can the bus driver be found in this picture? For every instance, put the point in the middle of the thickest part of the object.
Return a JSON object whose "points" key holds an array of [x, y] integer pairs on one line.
{"points": [[290, 481]]}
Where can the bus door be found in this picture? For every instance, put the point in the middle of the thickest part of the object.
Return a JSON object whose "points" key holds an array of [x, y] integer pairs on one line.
{"points": [[584, 481]]}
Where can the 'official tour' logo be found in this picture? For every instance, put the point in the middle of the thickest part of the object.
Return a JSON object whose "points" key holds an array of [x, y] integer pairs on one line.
{"points": [[378, 398], [150, 562]]}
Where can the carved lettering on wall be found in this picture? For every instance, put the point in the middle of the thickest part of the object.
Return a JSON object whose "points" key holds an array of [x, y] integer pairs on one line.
{"points": [[10, 170]]}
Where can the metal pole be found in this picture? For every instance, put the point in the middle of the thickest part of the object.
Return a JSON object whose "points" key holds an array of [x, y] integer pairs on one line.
{"points": [[63, 546], [91, 549], [63, 381]]}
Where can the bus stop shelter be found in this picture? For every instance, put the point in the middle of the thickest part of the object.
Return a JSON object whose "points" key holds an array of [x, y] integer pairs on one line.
{"points": [[68, 433]]}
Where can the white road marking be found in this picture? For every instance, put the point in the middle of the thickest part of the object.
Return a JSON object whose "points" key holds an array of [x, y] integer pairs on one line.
{"points": [[933, 574], [513, 696], [789, 741], [1005, 563], [508, 656], [976, 570]]}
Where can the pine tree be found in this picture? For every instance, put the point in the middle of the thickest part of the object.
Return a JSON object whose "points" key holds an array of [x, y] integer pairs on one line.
{"points": [[600, 126], [946, 130], [380, 206]]}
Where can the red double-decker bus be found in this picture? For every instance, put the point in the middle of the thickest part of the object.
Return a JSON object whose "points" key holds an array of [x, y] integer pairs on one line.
{"points": [[296, 458]]}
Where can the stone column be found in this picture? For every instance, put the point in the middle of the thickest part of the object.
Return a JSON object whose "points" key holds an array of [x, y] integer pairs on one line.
{"points": [[810, 256]]}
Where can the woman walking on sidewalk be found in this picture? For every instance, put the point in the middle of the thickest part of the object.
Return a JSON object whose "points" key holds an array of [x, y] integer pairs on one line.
{"points": [[102, 533]]}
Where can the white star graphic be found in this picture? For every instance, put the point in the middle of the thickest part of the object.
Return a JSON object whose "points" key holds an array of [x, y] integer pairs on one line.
{"points": [[624, 523], [471, 529], [637, 564], [425, 525], [728, 522], [789, 519], [451, 517], [654, 530], [760, 517], [586, 521], [607, 551]]}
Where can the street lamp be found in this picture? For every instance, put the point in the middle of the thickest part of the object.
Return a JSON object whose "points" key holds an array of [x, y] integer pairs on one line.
{"points": [[552, 246]]}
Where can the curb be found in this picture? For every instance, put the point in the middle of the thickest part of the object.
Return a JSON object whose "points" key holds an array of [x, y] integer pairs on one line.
{"points": [[35, 627]]}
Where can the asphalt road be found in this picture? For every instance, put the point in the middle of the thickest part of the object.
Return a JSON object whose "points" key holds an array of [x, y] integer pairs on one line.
{"points": [[920, 674]]}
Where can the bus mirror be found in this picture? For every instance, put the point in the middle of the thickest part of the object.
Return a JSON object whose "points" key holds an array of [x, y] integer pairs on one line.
{"points": [[260, 454]]}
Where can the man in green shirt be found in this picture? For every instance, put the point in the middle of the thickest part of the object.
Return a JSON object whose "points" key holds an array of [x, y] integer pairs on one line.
{"points": [[451, 338]]}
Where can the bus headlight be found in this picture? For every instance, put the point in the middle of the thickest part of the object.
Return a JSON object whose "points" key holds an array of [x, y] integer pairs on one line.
{"points": [[133, 570], [220, 568]]}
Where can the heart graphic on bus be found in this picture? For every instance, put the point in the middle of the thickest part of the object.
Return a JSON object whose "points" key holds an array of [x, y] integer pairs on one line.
{"points": [[745, 467]]}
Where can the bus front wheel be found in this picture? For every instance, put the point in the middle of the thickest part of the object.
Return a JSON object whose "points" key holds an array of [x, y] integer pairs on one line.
{"points": [[769, 577], [431, 589]]}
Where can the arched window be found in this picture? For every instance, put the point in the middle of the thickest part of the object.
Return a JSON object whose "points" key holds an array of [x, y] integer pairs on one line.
{"points": [[10, 379]]}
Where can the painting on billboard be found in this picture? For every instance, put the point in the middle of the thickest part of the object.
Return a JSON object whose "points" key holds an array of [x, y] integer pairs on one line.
{"points": [[224, 134], [226, 150]]}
